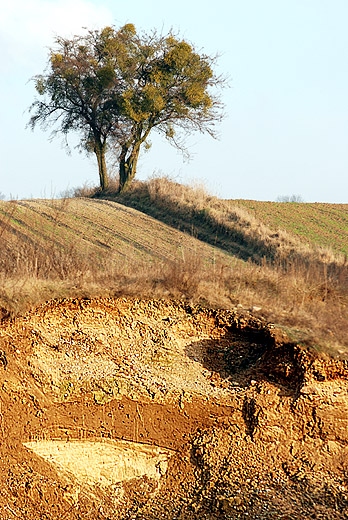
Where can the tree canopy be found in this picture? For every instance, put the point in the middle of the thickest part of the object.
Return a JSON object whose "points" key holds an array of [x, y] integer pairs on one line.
{"points": [[114, 86]]}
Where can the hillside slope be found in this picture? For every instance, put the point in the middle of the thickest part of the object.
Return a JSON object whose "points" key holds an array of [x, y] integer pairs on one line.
{"points": [[71, 247], [165, 240], [321, 223], [93, 227], [249, 229]]}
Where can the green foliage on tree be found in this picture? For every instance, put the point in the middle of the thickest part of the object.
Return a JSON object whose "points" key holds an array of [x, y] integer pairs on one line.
{"points": [[114, 86]]}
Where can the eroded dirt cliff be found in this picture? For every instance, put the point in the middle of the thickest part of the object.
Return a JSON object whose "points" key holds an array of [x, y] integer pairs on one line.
{"points": [[125, 408]]}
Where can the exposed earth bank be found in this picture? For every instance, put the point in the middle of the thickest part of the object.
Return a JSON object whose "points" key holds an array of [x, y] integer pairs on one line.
{"points": [[132, 409]]}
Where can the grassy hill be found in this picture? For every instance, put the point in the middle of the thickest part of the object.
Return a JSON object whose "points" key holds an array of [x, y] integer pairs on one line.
{"points": [[162, 239], [319, 223]]}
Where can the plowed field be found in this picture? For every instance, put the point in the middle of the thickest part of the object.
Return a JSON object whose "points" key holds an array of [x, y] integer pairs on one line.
{"points": [[97, 227]]}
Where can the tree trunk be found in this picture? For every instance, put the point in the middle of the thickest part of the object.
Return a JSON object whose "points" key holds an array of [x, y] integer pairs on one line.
{"points": [[128, 166], [99, 150]]}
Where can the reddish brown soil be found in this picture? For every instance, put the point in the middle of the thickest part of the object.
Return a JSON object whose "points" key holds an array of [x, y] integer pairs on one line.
{"points": [[258, 425]]}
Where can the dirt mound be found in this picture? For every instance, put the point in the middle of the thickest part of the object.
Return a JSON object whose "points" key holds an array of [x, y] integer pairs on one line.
{"points": [[126, 408]]}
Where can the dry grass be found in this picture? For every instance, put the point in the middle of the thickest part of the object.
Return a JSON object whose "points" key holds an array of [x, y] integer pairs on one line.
{"points": [[296, 284]]}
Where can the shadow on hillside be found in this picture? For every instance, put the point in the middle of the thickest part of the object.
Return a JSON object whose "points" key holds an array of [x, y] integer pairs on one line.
{"points": [[232, 237]]}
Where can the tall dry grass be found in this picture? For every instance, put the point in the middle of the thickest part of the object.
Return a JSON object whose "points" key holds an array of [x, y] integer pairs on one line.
{"points": [[295, 285]]}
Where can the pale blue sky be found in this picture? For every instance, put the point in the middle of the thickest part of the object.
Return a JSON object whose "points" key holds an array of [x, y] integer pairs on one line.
{"points": [[286, 130]]}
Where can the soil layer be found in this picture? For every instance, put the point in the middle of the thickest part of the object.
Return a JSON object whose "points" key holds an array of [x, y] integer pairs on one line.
{"points": [[244, 422]]}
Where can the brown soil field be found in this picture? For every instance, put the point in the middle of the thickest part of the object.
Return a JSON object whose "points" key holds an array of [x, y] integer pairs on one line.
{"points": [[125, 408], [95, 228]]}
